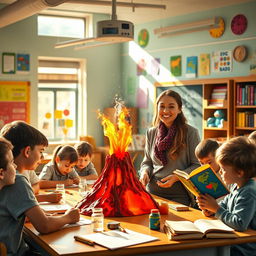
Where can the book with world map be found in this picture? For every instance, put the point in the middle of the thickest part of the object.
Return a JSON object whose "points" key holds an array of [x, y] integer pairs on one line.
{"points": [[203, 180]]}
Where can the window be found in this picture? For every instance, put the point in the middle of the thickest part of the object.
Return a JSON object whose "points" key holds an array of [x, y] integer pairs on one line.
{"points": [[61, 26], [58, 99]]}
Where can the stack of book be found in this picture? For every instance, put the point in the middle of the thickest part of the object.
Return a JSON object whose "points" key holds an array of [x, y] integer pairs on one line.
{"points": [[218, 96], [246, 95]]}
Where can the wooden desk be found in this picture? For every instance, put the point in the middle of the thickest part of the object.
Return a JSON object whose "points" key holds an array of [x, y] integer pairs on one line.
{"points": [[62, 242]]}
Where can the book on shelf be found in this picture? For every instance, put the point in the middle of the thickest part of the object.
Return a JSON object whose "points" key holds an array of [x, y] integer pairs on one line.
{"points": [[182, 230], [203, 180], [216, 102]]}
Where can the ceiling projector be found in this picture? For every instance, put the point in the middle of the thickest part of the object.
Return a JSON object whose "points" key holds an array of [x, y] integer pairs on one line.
{"points": [[115, 30]]}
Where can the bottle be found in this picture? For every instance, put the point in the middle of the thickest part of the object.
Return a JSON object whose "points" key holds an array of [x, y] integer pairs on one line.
{"points": [[154, 219], [60, 188], [97, 219]]}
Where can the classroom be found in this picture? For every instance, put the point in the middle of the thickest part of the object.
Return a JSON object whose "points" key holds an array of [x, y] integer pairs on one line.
{"points": [[59, 80]]}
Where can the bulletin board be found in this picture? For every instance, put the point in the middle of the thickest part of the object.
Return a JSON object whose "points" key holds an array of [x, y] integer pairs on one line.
{"points": [[14, 101]]}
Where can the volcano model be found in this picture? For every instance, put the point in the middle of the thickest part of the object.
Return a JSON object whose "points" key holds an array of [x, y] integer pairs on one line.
{"points": [[118, 190]]}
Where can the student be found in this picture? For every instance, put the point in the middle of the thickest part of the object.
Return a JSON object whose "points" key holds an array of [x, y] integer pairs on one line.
{"points": [[60, 169], [28, 145], [84, 166], [170, 145], [237, 160], [17, 201], [205, 153]]}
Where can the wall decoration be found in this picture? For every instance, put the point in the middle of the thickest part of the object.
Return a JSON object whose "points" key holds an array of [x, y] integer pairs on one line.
{"points": [[218, 31], [222, 61], [141, 67], [240, 53], [191, 70], [175, 63], [143, 38], [142, 97], [239, 24], [14, 101], [155, 67], [23, 64], [253, 64], [8, 63], [204, 64]]}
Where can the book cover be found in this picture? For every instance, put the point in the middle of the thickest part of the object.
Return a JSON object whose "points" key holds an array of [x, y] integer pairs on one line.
{"points": [[182, 230], [203, 180]]}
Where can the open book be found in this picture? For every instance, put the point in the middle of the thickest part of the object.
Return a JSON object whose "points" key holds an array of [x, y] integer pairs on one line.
{"points": [[182, 230], [203, 180], [115, 239]]}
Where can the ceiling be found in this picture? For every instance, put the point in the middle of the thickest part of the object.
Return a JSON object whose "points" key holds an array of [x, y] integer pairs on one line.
{"points": [[142, 15]]}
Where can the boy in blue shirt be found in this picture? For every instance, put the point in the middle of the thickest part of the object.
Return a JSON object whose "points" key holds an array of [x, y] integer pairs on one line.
{"points": [[237, 160], [17, 200]]}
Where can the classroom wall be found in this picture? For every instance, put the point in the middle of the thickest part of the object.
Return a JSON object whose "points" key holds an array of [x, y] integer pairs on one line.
{"points": [[191, 44], [103, 67]]}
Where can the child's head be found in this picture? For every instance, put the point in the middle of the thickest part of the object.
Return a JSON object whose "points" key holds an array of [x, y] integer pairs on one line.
{"points": [[65, 158], [28, 143], [7, 166], [237, 160], [205, 153], [84, 150], [252, 137]]}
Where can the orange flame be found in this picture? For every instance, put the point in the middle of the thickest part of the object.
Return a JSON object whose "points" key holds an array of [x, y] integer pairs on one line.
{"points": [[120, 135]]}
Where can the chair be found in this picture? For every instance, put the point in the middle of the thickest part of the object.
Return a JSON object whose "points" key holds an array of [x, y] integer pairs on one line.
{"points": [[3, 251]]}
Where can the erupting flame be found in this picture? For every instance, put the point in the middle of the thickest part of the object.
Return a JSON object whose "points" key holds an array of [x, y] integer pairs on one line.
{"points": [[120, 135]]}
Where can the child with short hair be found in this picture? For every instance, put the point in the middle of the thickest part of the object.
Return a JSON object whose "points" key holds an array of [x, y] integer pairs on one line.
{"points": [[84, 166], [17, 201], [205, 152], [28, 146], [237, 160], [60, 169]]}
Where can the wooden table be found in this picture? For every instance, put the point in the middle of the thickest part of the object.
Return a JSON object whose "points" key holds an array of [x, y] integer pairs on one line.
{"points": [[62, 242]]}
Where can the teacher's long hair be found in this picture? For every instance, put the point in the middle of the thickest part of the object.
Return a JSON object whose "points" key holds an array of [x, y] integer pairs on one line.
{"points": [[179, 141]]}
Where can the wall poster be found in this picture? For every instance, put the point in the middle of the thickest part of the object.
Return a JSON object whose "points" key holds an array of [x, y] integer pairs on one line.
{"points": [[14, 101]]}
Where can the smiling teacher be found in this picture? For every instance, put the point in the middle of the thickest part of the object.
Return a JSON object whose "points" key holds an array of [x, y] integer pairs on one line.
{"points": [[170, 145]]}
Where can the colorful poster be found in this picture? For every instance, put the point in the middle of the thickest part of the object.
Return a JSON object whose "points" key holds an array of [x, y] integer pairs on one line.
{"points": [[175, 63], [14, 101], [204, 64], [191, 70], [23, 64], [155, 67], [222, 61], [141, 67]]}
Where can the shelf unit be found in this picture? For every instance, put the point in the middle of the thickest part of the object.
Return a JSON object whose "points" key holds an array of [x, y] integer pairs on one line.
{"points": [[245, 103], [224, 133]]}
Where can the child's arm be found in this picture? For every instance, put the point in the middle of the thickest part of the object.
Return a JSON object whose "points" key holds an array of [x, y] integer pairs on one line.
{"points": [[52, 183], [90, 177], [52, 197], [46, 224], [207, 202]]}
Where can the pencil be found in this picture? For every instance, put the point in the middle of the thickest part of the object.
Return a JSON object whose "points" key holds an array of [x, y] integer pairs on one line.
{"points": [[69, 193], [84, 240]]}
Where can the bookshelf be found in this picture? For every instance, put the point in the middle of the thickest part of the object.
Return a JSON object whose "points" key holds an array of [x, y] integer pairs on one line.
{"points": [[210, 90], [244, 105]]}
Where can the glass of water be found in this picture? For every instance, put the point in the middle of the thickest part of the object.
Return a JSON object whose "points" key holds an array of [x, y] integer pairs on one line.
{"points": [[82, 187], [60, 188]]}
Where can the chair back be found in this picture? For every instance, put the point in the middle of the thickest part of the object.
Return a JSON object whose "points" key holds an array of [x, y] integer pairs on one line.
{"points": [[3, 251]]}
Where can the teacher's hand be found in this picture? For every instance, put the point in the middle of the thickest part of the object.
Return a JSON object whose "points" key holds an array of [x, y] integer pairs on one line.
{"points": [[167, 181], [144, 178]]}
